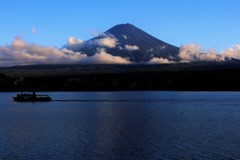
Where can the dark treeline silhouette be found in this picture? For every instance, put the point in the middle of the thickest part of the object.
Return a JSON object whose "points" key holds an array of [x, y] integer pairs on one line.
{"points": [[182, 77]]}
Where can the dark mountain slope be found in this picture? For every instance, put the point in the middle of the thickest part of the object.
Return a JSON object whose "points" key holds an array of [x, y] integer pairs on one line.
{"points": [[129, 35]]}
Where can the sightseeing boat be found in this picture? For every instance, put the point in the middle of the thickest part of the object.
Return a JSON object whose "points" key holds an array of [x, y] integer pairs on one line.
{"points": [[31, 97]]}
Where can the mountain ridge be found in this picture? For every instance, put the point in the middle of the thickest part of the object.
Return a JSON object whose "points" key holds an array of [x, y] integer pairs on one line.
{"points": [[143, 45]]}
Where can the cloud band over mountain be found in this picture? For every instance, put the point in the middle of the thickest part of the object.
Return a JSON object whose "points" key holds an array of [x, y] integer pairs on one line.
{"points": [[123, 44], [21, 53]]}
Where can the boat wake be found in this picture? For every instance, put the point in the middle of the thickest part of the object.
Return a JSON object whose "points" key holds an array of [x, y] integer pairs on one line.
{"points": [[105, 100]]}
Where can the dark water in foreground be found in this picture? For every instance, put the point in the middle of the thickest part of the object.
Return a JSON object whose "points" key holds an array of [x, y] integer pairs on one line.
{"points": [[122, 125]]}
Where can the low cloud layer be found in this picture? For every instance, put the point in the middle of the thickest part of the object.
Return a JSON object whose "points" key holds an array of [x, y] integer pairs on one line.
{"points": [[196, 53], [22, 53], [102, 57], [156, 60], [192, 53], [233, 52]]}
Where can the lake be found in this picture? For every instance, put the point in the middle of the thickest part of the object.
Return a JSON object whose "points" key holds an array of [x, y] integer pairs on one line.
{"points": [[122, 125]]}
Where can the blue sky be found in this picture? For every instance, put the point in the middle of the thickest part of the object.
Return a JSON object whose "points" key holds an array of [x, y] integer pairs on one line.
{"points": [[211, 23]]}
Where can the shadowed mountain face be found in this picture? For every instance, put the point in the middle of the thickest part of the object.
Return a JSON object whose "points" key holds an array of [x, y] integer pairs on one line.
{"points": [[133, 43]]}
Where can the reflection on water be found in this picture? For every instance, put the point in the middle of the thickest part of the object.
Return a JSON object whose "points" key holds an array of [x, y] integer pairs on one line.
{"points": [[122, 125]]}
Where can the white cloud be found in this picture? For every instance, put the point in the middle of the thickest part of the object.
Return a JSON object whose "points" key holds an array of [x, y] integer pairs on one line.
{"points": [[109, 42], [233, 52], [18, 43], [192, 52], [21, 53], [104, 40], [74, 43], [131, 47], [156, 60], [34, 30], [102, 57], [95, 33]]}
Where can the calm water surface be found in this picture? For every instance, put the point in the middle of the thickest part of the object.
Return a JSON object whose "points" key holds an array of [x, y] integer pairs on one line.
{"points": [[122, 125]]}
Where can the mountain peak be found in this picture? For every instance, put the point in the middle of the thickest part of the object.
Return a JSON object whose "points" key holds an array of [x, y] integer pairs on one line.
{"points": [[122, 28], [129, 36], [124, 25]]}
